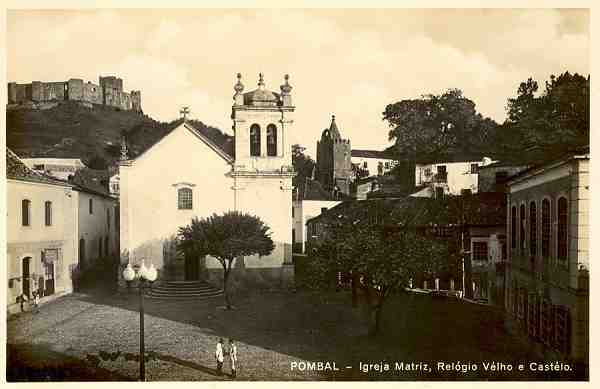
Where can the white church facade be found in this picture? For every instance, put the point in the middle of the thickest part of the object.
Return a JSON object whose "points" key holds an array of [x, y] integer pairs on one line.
{"points": [[186, 175]]}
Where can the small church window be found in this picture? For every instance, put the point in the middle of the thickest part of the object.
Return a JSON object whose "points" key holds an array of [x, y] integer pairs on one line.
{"points": [[255, 140], [271, 140], [184, 198]]}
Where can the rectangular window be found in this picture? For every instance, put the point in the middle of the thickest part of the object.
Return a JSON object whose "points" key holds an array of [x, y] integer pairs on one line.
{"points": [[387, 165], [292, 211], [184, 198], [48, 212], [480, 251], [442, 174], [474, 168], [561, 321], [91, 206], [533, 322], [365, 165], [547, 330], [25, 212]]}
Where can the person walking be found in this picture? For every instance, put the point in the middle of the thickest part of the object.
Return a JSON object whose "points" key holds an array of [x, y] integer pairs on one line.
{"points": [[233, 357], [219, 356], [22, 299], [36, 302]]}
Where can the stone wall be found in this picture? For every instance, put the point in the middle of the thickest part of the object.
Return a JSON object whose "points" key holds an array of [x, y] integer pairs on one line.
{"points": [[109, 92], [92, 93]]}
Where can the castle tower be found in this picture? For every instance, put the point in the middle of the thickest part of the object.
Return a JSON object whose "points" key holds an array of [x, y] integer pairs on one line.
{"points": [[334, 160], [262, 171]]}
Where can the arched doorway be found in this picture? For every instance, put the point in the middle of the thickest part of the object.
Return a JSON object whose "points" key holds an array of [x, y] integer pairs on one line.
{"points": [[25, 274], [81, 252]]}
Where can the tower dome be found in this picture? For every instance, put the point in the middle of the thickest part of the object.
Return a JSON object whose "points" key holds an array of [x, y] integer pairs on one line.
{"points": [[261, 96]]}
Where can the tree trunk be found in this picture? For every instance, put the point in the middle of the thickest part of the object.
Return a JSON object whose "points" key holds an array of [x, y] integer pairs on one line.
{"points": [[378, 310], [354, 289], [225, 290]]}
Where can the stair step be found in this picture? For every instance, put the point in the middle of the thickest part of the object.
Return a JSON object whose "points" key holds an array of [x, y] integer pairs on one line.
{"points": [[183, 288], [171, 297], [194, 293]]}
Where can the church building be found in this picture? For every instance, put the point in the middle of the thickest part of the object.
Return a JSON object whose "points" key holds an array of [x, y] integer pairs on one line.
{"points": [[334, 160], [185, 175]]}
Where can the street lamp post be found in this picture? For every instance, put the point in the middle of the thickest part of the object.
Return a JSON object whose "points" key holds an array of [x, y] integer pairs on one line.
{"points": [[145, 276]]}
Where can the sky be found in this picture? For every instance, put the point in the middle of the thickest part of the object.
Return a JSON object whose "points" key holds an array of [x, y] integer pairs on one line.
{"points": [[350, 63]]}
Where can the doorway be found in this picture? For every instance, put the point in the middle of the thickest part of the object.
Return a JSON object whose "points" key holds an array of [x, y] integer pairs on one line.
{"points": [[25, 276], [192, 269], [49, 275]]}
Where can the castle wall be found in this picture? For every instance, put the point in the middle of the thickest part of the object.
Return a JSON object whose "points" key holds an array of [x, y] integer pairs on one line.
{"points": [[75, 89], [109, 92], [36, 91], [92, 93], [136, 100]]}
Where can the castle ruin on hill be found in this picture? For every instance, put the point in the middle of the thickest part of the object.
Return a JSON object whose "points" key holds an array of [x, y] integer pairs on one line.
{"points": [[109, 92]]}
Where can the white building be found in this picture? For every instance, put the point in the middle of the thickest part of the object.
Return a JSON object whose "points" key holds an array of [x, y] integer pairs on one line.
{"points": [[114, 184], [185, 175], [98, 224], [60, 168], [373, 161], [41, 230], [448, 177]]}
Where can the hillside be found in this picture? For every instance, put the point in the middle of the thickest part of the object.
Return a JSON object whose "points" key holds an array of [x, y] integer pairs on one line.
{"points": [[71, 130]]}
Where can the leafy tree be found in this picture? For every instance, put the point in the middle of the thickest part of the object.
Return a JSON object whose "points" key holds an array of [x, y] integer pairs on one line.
{"points": [[435, 126], [381, 260], [97, 162], [555, 121], [303, 165], [225, 237]]}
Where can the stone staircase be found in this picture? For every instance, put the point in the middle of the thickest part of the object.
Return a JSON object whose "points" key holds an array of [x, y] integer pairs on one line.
{"points": [[183, 290]]}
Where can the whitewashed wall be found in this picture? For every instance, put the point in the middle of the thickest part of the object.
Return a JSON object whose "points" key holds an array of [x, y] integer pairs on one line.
{"points": [[29, 241], [149, 207]]}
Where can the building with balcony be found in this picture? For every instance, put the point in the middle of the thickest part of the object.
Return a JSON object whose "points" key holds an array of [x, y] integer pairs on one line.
{"points": [[451, 176]]}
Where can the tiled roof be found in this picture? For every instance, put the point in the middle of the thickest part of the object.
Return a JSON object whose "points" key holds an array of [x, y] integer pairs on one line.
{"points": [[483, 209], [371, 154], [92, 181], [17, 170], [313, 190]]}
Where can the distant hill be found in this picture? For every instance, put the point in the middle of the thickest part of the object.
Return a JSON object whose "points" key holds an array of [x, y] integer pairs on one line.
{"points": [[71, 130]]}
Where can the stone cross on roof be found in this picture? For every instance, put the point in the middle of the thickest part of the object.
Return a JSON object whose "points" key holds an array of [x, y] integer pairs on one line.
{"points": [[184, 111]]}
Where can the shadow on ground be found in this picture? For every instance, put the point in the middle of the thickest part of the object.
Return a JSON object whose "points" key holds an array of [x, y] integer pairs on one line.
{"points": [[311, 326], [27, 363]]}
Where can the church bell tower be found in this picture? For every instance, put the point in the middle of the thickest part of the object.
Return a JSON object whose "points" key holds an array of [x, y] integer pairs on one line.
{"points": [[263, 171]]}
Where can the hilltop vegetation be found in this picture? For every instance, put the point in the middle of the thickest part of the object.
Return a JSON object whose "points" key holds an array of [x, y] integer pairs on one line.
{"points": [[71, 130]]}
